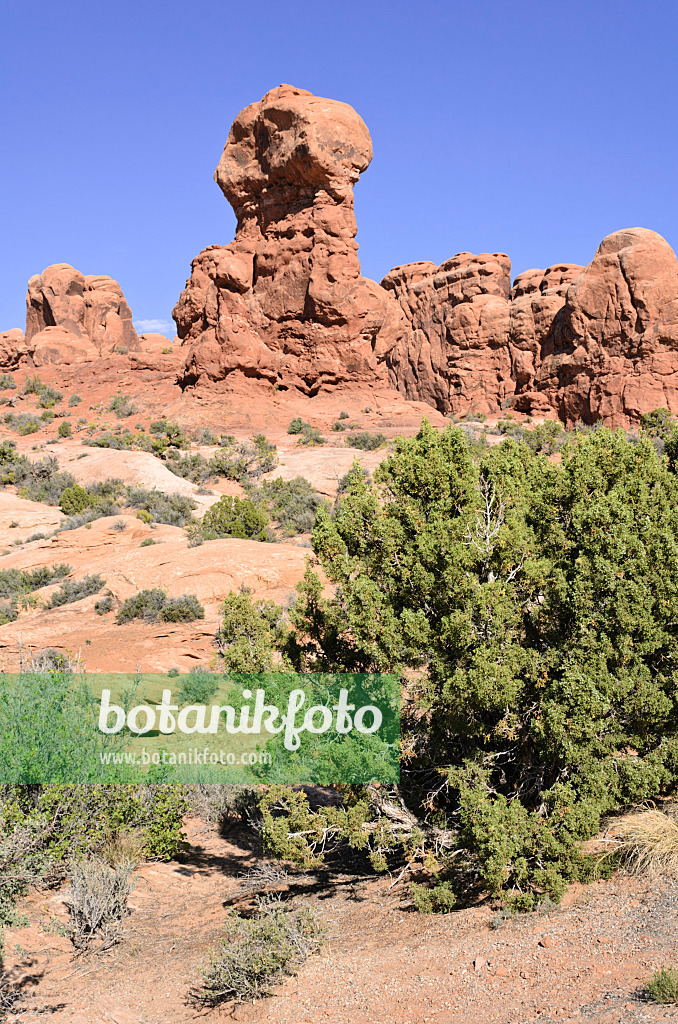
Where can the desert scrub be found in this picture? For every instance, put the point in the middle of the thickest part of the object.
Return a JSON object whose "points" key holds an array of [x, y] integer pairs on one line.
{"points": [[98, 901], [171, 509], [259, 952], [663, 985], [7, 382], [105, 604], [238, 460], [18, 587], [308, 434], [292, 503], [122, 406], [24, 423], [235, 517], [65, 429], [366, 441], [647, 842], [48, 397], [76, 590], [155, 605]]}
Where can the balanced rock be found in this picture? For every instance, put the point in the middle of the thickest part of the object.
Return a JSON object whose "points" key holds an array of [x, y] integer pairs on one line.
{"points": [[286, 301], [91, 307]]}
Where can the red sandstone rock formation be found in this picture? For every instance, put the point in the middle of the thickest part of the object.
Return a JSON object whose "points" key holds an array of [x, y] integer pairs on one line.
{"points": [[599, 342], [12, 348], [89, 308], [285, 301]]}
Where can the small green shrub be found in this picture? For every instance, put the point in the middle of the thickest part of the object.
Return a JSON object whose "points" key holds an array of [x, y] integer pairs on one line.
{"points": [[250, 633], [198, 687], [366, 441], [48, 397], [33, 385], [76, 590], [171, 509], [74, 400], [154, 605], [292, 503], [7, 382], [65, 429], [343, 415], [259, 952], [122, 406], [147, 542], [436, 899], [307, 434], [235, 517], [24, 423], [105, 604], [663, 985], [74, 500]]}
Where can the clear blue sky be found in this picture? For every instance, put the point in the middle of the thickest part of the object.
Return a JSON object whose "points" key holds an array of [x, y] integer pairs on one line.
{"points": [[534, 128]]}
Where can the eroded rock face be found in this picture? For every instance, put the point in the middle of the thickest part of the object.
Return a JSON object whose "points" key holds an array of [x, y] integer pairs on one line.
{"points": [[286, 301], [585, 343], [92, 308], [611, 352], [12, 348]]}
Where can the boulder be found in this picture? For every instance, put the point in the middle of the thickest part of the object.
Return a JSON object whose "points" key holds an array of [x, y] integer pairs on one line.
{"points": [[286, 301], [54, 345], [89, 307], [12, 348]]}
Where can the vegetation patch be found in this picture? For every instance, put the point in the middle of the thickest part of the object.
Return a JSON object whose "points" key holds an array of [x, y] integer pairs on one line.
{"points": [[154, 605], [235, 517], [259, 952], [76, 590]]}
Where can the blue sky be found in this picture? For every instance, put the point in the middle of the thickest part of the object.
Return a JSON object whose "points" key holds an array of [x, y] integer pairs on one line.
{"points": [[532, 128]]}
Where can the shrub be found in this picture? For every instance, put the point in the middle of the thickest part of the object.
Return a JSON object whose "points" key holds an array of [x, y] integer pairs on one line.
{"points": [[105, 604], [33, 385], [122, 406], [307, 434], [193, 467], [546, 437], [366, 441], [292, 503], [7, 382], [76, 590], [168, 432], [74, 499], [235, 517], [65, 429], [171, 509], [663, 985], [259, 952], [343, 415], [534, 602], [24, 423], [250, 633], [658, 423], [198, 687], [98, 901], [236, 460], [154, 605], [147, 542], [74, 400], [48, 397]]}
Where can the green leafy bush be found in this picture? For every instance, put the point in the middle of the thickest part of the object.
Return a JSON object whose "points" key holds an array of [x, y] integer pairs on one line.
{"points": [[74, 400], [366, 441], [235, 517], [249, 634], [535, 605], [48, 397], [75, 590], [65, 429], [74, 499], [198, 687], [155, 605], [259, 952], [105, 604]]}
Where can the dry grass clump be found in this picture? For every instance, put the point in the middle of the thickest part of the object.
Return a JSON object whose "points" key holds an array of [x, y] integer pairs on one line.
{"points": [[648, 842], [98, 901]]}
